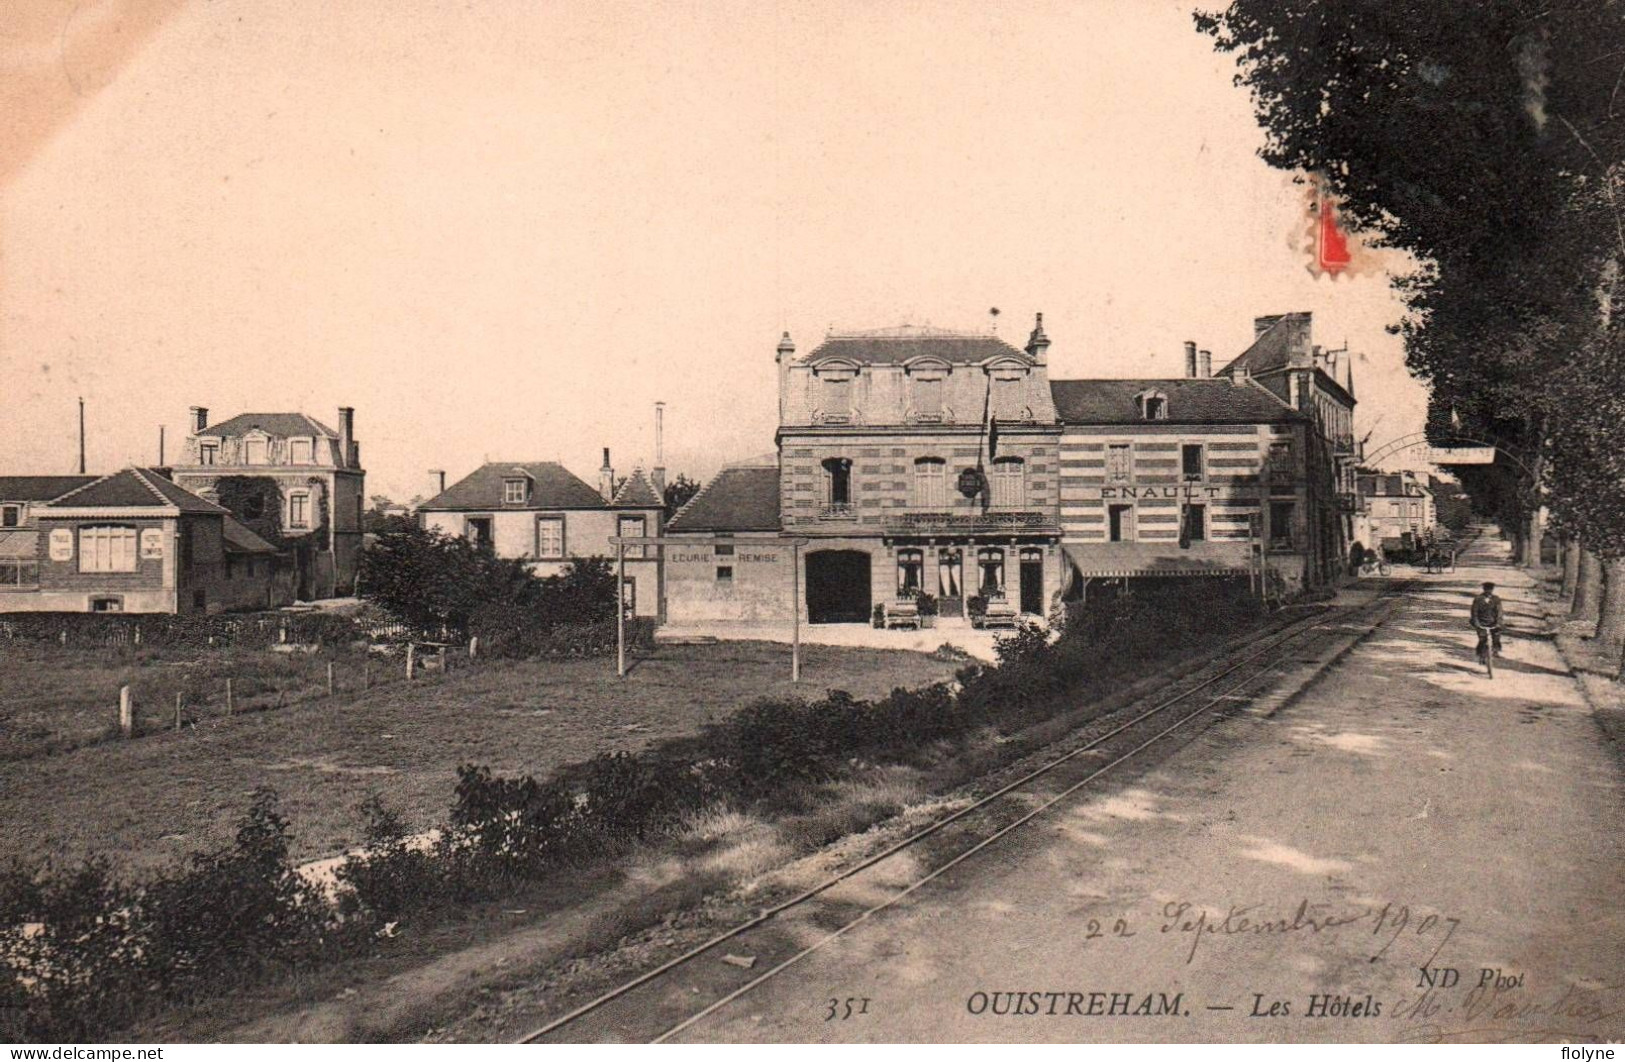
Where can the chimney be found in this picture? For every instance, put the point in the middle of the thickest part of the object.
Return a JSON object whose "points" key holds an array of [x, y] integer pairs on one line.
{"points": [[1038, 342], [786, 351], [657, 475], [1239, 375], [606, 479], [1190, 358], [1204, 363], [200, 419], [160, 446], [439, 475], [347, 447], [1264, 324]]}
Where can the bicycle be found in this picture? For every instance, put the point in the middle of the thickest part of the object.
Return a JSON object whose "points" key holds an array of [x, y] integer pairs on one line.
{"points": [[1370, 568], [1487, 650]]}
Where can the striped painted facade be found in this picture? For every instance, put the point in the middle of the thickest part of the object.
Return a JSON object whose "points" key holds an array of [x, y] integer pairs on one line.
{"points": [[1142, 467]]}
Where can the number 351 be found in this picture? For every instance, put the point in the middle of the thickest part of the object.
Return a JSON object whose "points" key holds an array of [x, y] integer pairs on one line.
{"points": [[844, 1009]]}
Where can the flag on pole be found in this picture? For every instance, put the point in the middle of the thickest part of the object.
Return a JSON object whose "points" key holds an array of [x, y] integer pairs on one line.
{"points": [[990, 423]]}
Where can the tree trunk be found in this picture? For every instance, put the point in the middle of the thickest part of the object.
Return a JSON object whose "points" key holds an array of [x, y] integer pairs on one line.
{"points": [[1571, 564], [1587, 586], [1532, 541], [1611, 614], [1518, 542]]}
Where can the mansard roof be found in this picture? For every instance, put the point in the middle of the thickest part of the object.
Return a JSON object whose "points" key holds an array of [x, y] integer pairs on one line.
{"points": [[898, 346], [281, 425]]}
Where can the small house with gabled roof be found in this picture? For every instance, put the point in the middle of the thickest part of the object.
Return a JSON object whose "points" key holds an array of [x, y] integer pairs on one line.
{"points": [[135, 541], [543, 513]]}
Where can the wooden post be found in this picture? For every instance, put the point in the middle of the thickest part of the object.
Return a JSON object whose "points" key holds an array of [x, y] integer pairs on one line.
{"points": [[177, 711], [366, 675], [620, 609], [330, 678], [138, 636], [63, 637], [474, 647], [229, 706], [282, 635], [126, 712], [411, 660], [795, 612]]}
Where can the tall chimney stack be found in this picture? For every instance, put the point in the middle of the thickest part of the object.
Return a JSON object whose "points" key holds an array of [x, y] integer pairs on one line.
{"points": [[160, 446], [658, 474], [1204, 363], [347, 447], [81, 436], [440, 480], [606, 478], [200, 419], [1190, 358]]}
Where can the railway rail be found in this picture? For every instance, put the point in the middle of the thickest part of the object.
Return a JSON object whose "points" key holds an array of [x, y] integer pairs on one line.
{"points": [[666, 1001]]}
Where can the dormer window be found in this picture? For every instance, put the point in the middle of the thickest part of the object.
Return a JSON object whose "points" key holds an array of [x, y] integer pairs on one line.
{"points": [[299, 451], [1153, 405], [208, 453], [254, 451], [513, 491]]}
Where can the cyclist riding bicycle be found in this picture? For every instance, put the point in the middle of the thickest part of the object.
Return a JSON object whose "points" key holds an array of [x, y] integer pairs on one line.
{"points": [[1486, 619]]}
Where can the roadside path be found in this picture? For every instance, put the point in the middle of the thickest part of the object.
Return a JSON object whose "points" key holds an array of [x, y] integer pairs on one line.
{"points": [[1405, 811]]}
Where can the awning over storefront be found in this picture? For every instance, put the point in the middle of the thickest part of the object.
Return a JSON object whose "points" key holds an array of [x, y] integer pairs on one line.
{"points": [[1139, 560], [19, 545]]}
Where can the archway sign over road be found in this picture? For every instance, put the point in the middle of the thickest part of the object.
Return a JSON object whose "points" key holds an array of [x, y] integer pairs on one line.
{"points": [[621, 543]]}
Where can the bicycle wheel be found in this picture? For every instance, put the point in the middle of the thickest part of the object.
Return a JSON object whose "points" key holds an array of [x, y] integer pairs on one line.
{"points": [[1385, 568]]}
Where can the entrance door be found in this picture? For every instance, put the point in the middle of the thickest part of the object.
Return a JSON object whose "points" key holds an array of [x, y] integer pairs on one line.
{"points": [[951, 582], [1032, 582], [838, 586]]}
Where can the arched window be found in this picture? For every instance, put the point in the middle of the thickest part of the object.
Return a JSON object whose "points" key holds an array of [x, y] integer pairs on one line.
{"points": [[1009, 483], [930, 483], [910, 572], [838, 476]]}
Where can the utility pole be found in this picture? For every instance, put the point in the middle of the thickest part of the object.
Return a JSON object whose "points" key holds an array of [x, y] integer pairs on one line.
{"points": [[81, 435]]}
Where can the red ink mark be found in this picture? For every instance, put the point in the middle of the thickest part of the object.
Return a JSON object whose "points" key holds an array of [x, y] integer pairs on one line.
{"points": [[1333, 250]]}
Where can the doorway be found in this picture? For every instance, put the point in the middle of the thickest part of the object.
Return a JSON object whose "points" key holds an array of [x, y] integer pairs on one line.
{"points": [[1032, 581], [838, 586]]}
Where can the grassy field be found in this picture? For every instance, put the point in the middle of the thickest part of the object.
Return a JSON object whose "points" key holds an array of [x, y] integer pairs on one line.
{"points": [[167, 794]]}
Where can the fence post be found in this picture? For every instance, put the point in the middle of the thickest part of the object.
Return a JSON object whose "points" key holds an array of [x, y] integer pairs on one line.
{"points": [[228, 697], [330, 678], [411, 660], [282, 635], [138, 636], [63, 637], [366, 675], [177, 711], [474, 647], [126, 716]]}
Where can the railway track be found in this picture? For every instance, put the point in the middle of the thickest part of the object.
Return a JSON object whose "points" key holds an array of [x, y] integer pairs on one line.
{"points": [[668, 1000]]}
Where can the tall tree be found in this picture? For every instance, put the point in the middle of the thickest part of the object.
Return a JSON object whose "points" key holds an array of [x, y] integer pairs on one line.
{"points": [[1485, 140]]}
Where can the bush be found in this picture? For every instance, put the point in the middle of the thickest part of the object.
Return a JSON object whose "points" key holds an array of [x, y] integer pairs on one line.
{"points": [[87, 952]]}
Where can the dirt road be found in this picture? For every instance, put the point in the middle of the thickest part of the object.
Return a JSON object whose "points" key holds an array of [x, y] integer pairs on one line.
{"points": [[1300, 876]]}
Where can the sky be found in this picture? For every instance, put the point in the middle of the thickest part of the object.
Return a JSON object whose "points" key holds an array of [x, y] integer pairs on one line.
{"points": [[504, 231]]}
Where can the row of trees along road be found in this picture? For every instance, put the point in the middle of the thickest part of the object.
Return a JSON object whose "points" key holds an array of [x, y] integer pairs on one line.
{"points": [[1484, 138]]}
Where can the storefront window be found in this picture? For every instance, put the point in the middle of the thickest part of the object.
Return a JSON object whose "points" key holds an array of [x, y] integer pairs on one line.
{"points": [[991, 564], [950, 573], [910, 572]]}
